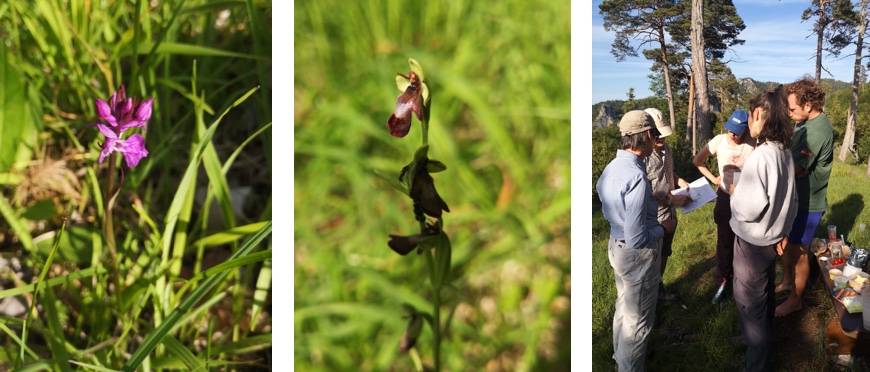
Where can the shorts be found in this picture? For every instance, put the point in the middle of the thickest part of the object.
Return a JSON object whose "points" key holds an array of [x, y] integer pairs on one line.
{"points": [[804, 227], [667, 242]]}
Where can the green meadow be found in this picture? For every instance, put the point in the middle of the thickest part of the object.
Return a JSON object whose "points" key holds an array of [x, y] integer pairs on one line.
{"points": [[163, 265], [499, 77], [694, 334]]}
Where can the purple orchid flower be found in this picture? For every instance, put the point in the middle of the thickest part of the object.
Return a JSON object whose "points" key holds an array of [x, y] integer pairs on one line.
{"points": [[122, 113]]}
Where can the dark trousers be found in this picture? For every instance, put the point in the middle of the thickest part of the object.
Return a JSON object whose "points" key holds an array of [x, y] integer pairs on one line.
{"points": [[724, 236], [754, 273]]}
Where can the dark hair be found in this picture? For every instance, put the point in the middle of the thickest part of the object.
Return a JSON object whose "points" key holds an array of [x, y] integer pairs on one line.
{"points": [[635, 141], [777, 124], [806, 90]]}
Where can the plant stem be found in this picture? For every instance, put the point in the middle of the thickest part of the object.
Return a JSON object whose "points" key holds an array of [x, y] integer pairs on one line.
{"points": [[108, 228], [436, 287], [436, 310], [436, 315]]}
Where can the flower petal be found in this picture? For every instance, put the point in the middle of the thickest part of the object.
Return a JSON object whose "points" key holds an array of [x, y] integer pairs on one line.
{"points": [[125, 113], [143, 112], [403, 244], [106, 131], [133, 149], [399, 123], [105, 112], [108, 148], [423, 190]]}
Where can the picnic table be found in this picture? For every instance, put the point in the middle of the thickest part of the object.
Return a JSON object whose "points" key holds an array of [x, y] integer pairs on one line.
{"points": [[845, 333]]}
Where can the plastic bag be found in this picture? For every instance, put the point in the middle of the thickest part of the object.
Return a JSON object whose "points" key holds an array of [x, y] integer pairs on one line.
{"points": [[858, 257]]}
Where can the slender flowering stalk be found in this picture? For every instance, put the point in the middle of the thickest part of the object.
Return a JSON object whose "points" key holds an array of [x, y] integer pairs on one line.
{"points": [[118, 115], [415, 180]]}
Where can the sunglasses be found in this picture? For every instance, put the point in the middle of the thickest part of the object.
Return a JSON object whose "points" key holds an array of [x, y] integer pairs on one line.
{"points": [[654, 132]]}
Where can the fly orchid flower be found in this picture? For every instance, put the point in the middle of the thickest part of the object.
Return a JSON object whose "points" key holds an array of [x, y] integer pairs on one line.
{"points": [[405, 244], [423, 189], [119, 114], [409, 101]]}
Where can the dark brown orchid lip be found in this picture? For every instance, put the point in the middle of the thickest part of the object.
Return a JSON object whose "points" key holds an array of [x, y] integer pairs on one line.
{"points": [[409, 101]]}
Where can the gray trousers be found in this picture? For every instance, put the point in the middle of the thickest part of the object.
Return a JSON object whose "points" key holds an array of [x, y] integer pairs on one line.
{"points": [[754, 275], [637, 276]]}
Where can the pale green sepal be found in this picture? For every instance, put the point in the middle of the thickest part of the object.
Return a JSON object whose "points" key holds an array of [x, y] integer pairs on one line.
{"points": [[402, 82]]}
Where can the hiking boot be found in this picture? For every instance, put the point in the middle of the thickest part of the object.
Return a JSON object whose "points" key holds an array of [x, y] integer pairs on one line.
{"points": [[665, 296], [720, 293]]}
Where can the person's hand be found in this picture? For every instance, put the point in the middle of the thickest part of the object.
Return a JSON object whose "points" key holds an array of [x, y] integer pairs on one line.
{"points": [[669, 225], [780, 247], [661, 197], [681, 200], [717, 180]]}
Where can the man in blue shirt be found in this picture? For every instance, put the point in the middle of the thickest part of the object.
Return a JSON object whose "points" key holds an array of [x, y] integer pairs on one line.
{"points": [[634, 247]]}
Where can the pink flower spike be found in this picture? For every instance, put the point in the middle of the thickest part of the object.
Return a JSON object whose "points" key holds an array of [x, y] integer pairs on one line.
{"points": [[120, 114]]}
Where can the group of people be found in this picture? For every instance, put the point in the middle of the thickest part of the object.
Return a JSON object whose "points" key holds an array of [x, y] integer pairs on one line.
{"points": [[774, 163]]}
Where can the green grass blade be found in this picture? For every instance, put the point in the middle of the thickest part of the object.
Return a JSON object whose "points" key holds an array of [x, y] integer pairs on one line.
{"points": [[217, 180], [155, 336], [187, 94], [181, 352], [186, 181], [16, 130], [228, 265], [261, 291], [239, 149], [14, 336], [229, 236], [92, 367], [192, 50], [16, 224], [38, 285], [66, 279]]}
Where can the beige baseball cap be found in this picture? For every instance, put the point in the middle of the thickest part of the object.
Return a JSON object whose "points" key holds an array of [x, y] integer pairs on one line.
{"points": [[659, 119], [634, 122]]}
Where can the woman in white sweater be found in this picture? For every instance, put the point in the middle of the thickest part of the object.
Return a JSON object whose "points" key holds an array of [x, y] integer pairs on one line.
{"points": [[763, 208]]}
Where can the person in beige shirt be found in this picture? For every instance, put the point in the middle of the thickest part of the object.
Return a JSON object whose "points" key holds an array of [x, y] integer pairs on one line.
{"points": [[731, 150]]}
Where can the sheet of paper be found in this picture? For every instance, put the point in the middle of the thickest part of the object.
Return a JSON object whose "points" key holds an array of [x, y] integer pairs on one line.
{"points": [[701, 193]]}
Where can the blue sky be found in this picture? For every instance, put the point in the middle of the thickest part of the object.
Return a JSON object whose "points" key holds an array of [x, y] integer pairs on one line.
{"points": [[777, 49]]}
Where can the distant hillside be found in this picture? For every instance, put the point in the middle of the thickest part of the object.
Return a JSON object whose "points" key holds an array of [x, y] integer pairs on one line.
{"points": [[748, 88]]}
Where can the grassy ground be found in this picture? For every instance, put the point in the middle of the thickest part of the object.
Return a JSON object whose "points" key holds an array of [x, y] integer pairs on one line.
{"points": [[177, 274], [499, 76], [693, 334]]}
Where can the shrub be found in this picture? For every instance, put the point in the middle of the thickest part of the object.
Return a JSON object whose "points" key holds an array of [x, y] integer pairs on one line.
{"points": [[605, 142]]}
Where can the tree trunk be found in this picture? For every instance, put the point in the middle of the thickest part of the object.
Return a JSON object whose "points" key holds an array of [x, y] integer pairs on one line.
{"points": [[690, 117], [699, 73], [849, 137], [820, 31], [667, 72]]}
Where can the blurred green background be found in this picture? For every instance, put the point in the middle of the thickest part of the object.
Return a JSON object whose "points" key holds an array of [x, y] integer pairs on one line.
{"points": [[499, 73]]}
